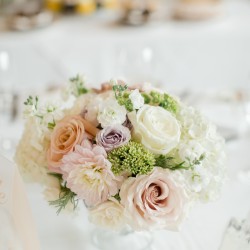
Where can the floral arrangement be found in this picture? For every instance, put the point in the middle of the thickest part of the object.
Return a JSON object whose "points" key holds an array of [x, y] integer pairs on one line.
{"points": [[135, 156]]}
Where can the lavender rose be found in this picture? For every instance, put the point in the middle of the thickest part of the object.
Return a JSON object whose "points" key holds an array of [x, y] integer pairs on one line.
{"points": [[113, 137]]}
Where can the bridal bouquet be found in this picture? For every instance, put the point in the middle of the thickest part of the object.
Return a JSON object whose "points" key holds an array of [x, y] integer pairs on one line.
{"points": [[135, 156]]}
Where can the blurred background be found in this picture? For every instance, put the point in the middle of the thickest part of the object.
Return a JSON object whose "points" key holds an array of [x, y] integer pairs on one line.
{"points": [[197, 49]]}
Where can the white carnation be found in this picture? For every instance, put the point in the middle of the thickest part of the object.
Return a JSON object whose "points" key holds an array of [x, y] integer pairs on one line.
{"points": [[136, 99], [111, 113]]}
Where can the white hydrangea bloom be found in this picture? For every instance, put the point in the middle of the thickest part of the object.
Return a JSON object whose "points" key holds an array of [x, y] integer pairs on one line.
{"points": [[190, 150], [199, 137], [194, 124], [31, 154]]}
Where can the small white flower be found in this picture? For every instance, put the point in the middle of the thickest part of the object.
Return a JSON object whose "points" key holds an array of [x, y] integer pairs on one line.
{"points": [[190, 150], [136, 99], [111, 113], [198, 178]]}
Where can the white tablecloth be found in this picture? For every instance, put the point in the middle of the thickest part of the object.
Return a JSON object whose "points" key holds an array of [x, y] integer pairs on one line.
{"points": [[209, 54]]}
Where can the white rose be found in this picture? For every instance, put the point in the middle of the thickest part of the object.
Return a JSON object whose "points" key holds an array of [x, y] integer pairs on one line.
{"points": [[109, 214], [136, 99], [156, 128], [110, 113]]}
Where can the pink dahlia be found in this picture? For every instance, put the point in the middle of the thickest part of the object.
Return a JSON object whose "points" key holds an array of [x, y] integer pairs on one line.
{"points": [[88, 174]]}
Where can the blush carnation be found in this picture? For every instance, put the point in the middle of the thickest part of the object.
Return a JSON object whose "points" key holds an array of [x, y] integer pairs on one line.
{"points": [[88, 174]]}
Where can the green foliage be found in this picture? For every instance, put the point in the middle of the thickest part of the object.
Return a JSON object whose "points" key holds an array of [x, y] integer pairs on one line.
{"points": [[51, 125], [122, 96], [33, 109], [165, 161], [196, 161], [119, 89], [169, 162], [65, 196], [163, 100], [117, 197], [132, 158], [78, 86], [32, 102]]}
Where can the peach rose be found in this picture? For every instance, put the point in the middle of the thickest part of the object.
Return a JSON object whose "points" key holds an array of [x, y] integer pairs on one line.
{"points": [[66, 135], [153, 201]]}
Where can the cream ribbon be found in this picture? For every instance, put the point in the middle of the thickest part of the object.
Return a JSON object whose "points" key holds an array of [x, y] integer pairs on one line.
{"points": [[17, 229]]}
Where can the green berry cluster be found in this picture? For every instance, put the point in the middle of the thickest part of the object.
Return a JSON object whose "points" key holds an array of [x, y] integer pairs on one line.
{"points": [[163, 100], [132, 158]]}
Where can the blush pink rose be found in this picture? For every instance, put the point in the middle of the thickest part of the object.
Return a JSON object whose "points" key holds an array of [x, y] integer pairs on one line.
{"points": [[153, 201], [66, 135]]}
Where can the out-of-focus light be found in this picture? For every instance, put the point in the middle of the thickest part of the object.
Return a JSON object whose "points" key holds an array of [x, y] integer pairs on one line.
{"points": [[4, 61]]}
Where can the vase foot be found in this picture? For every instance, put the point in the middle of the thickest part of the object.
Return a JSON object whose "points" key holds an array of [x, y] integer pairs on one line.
{"points": [[123, 240]]}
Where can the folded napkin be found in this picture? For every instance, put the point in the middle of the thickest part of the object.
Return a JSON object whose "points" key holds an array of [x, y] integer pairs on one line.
{"points": [[17, 229]]}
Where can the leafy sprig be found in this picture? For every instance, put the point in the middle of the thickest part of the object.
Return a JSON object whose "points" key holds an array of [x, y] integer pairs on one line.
{"points": [[32, 102], [169, 162], [118, 89], [117, 197], [77, 87], [65, 196], [122, 95], [34, 109]]}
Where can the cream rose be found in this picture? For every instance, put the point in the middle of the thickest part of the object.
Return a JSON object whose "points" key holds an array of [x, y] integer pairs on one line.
{"points": [[156, 128], [153, 201], [109, 214], [66, 135]]}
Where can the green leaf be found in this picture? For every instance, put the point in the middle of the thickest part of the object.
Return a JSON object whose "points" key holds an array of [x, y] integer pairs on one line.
{"points": [[117, 197], [78, 86], [65, 196]]}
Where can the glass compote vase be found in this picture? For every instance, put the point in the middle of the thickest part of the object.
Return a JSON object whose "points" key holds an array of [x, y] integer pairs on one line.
{"points": [[124, 239]]}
